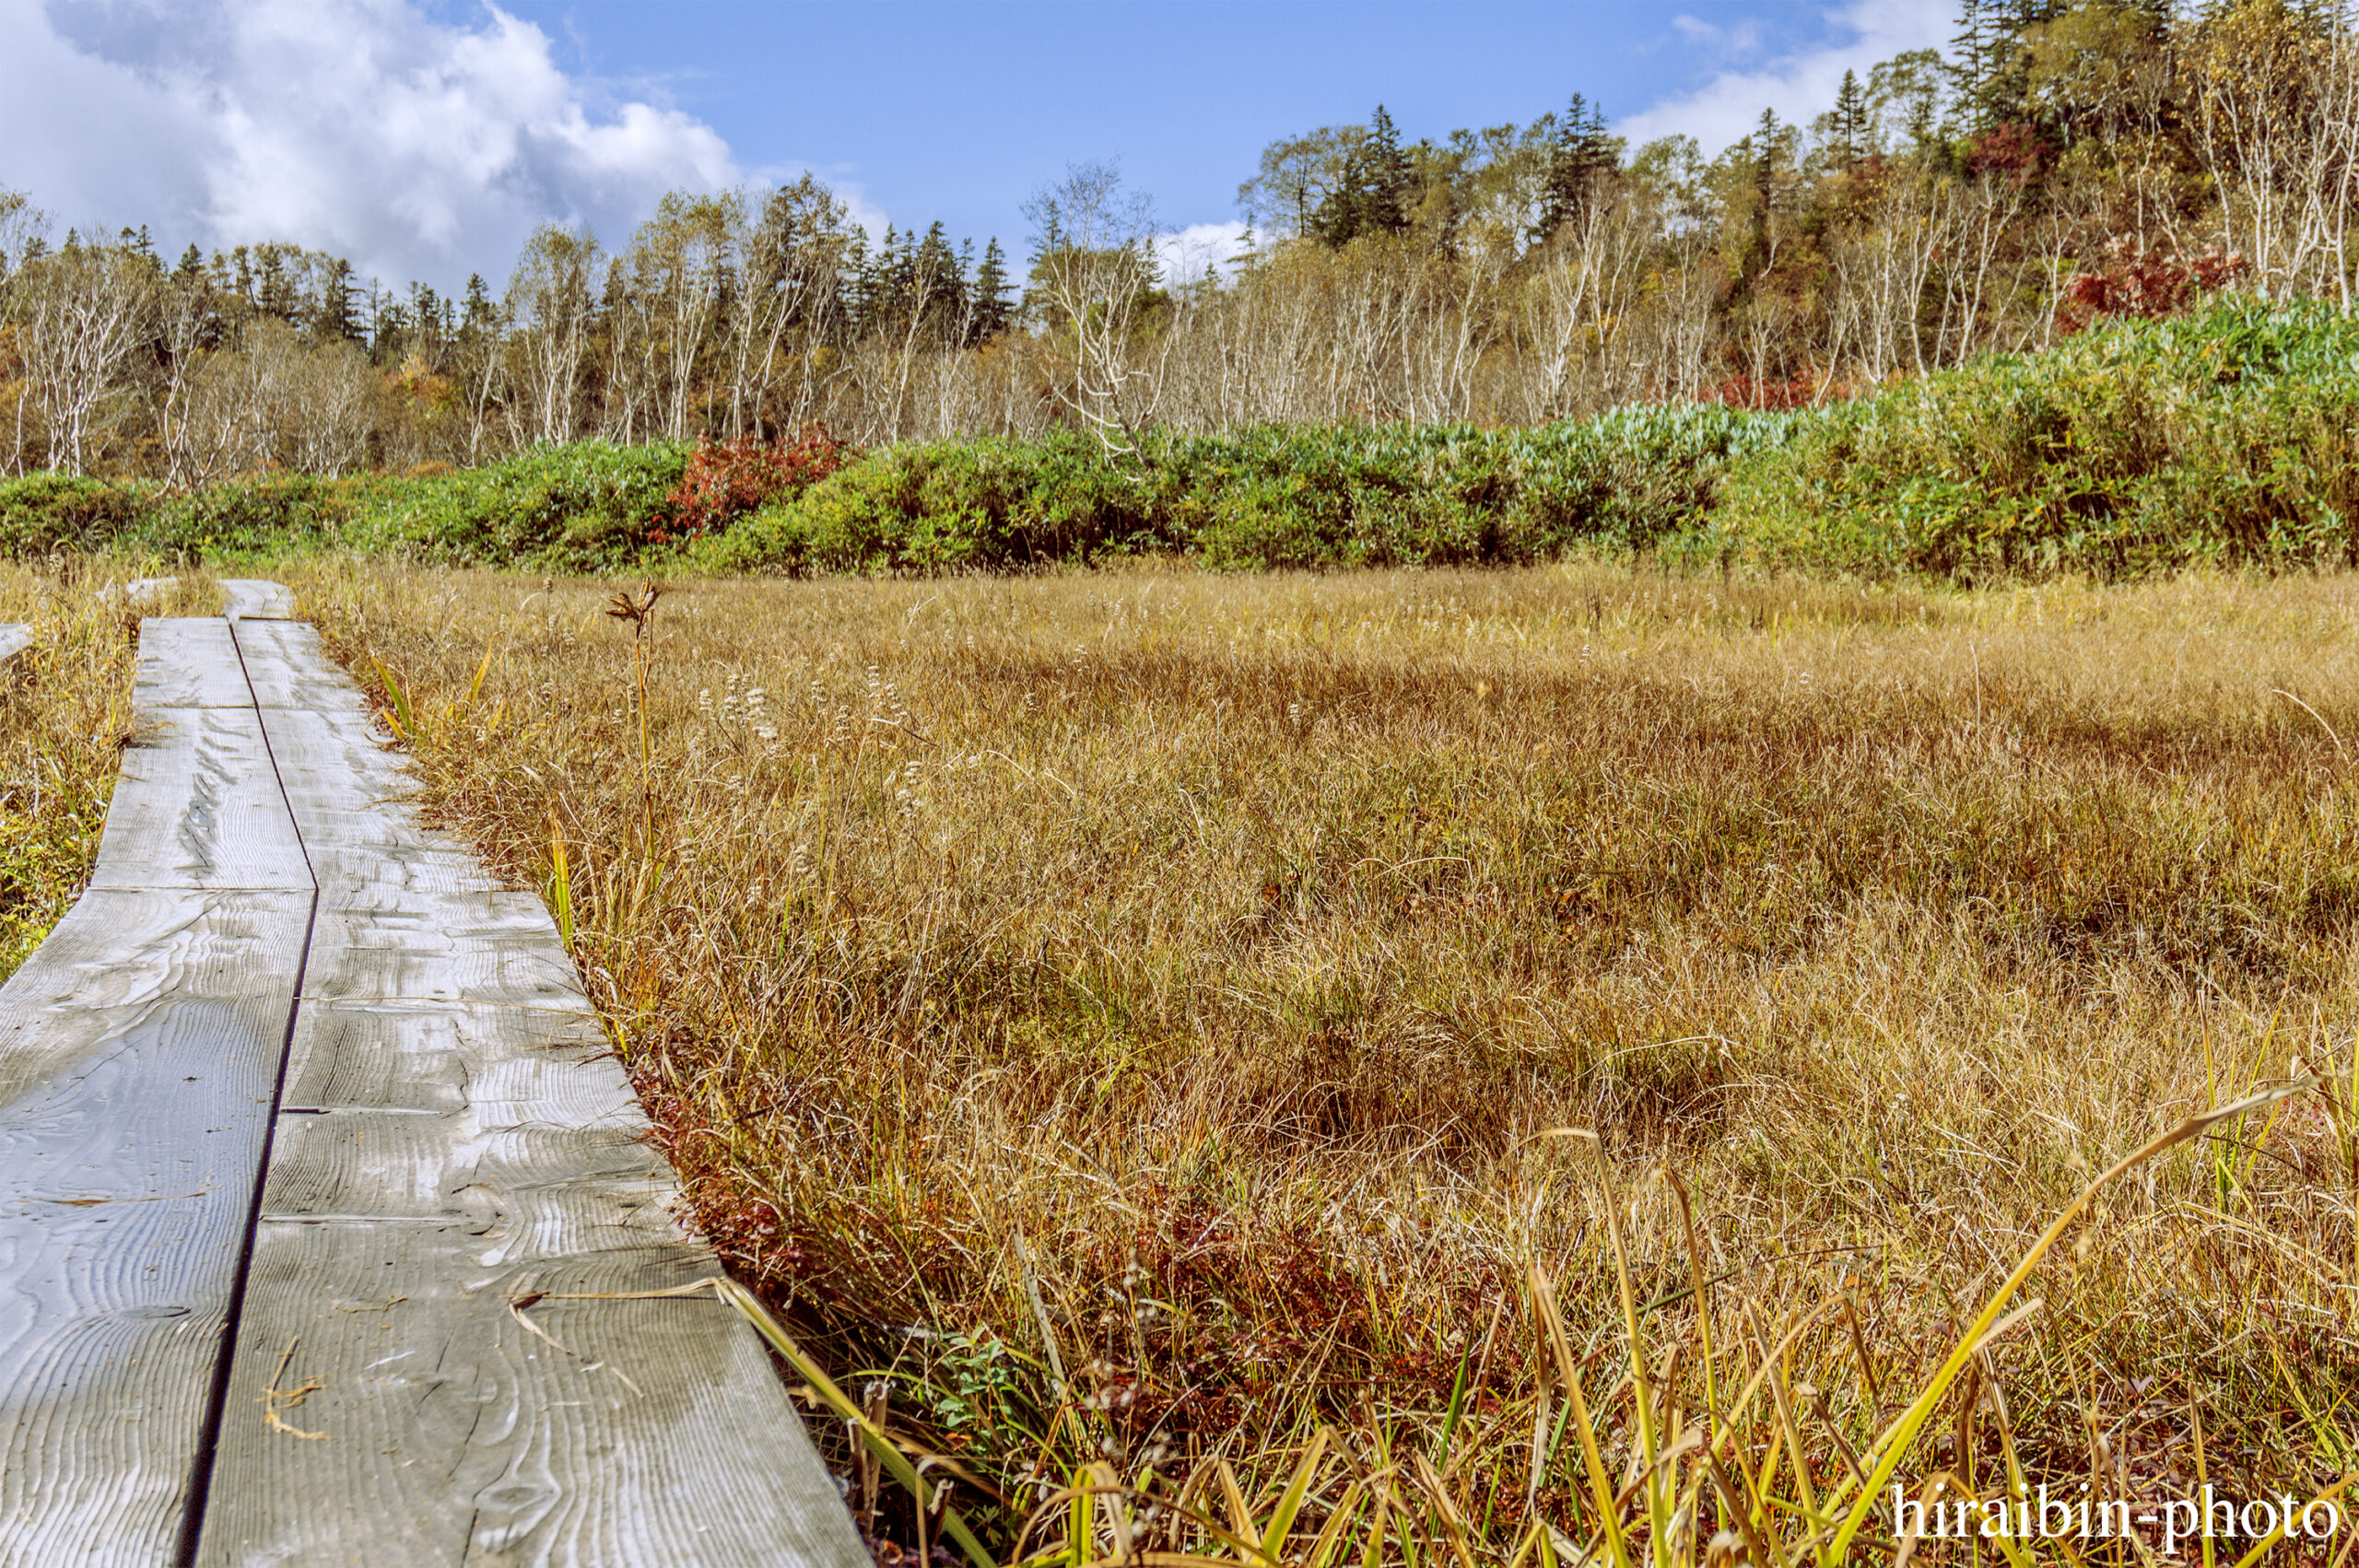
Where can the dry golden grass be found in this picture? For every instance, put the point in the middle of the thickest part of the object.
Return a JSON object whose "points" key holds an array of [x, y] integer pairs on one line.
{"points": [[1118, 1017], [64, 711]]}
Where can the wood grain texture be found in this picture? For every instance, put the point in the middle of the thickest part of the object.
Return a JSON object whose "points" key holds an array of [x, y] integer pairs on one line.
{"points": [[544, 1189], [198, 806], [451, 1433], [139, 1051], [188, 661], [288, 667], [493, 948], [455, 1133], [392, 1054], [254, 598]]}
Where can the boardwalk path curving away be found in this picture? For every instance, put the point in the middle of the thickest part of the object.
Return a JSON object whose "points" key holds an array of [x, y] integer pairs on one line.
{"points": [[297, 1106]]}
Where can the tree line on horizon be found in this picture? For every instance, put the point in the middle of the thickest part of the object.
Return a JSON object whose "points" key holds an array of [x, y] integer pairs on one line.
{"points": [[2060, 162]]}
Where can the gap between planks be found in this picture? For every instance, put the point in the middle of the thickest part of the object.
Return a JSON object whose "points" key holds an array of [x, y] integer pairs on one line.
{"points": [[423, 1123]]}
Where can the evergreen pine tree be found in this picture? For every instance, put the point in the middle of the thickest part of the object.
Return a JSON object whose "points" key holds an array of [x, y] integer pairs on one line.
{"points": [[334, 317], [1990, 64], [430, 322], [1969, 57], [936, 285], [994, 306], [1850, 123], [478, 315], [192, 265], [857, 280], [896, 270], [1389, 184], [1376, 193], [275, 291], [1759, 152], [1581, 158], [391, 329]]}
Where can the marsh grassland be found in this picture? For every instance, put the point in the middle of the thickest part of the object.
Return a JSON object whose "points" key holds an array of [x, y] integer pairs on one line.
{"points": [[1130, 1025]]}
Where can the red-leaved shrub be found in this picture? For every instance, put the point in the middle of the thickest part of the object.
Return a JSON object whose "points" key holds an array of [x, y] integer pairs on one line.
{"points": [[725, 480], [1742, 390], [2135, 281], [2011, 149]]}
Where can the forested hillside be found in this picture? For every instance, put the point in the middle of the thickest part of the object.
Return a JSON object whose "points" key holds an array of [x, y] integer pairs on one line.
{"points": [[2058, 165]]}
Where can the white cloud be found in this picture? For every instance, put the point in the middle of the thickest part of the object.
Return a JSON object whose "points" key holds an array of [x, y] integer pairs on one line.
{"points": [[414, 147], [1743, 39], [1800, 86], [1187, 253]]}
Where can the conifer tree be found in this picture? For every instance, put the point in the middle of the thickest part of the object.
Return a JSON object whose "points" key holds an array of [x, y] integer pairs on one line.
{"points": [[276, 292], [1850, 126], [478, 315], [936, 278], [857, 279], [1581, 158], [994, 308], [1376, 194], [334, 317]]}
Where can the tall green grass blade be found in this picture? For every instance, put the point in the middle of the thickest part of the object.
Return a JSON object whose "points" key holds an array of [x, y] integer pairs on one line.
{"points": [[1895, 1443]]}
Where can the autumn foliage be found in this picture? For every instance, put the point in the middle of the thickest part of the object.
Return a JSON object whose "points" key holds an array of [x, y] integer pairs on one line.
{"points": [[727, 480], [2134, 281]]}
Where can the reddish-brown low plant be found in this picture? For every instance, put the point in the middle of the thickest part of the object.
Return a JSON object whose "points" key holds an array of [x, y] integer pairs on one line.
{"points": [[1769, 392], [726, 480], [2135, 281], [2011, 149]]}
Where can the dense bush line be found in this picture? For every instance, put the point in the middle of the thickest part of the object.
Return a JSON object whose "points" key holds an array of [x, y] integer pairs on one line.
{"points": [[2230, 437]]}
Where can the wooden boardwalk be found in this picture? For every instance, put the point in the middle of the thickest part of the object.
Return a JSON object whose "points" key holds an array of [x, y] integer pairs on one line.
{"points": [[307, 1132]]}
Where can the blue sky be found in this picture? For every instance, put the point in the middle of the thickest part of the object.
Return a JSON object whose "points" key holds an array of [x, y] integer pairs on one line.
{"points": [[424, 137]]}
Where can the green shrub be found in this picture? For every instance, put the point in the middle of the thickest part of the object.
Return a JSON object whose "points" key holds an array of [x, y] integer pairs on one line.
{"points": [[1273, 497], [2230, 436], [947, 505], [43, 512], [2146, 446], [589, 506], [270, 514]]}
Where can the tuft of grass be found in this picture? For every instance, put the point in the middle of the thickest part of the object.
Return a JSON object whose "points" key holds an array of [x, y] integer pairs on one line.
{"points": [[1123, 1026], [64, 713]]}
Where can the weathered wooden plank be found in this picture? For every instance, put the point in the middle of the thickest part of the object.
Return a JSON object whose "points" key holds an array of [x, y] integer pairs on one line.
{"points": [[139, 1054], [455, 1133], [186, 661], [547, 1189], [14, 639], [490, 947], [451, 1433], [392, 1053], [348, 789], [198, 806], [256, 599], [288, 667]]}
